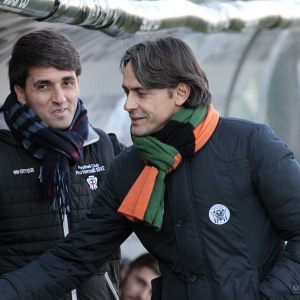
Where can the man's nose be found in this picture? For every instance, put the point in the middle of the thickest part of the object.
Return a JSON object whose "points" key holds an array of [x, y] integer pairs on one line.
{"points": [[131, 103], [58, 95]]}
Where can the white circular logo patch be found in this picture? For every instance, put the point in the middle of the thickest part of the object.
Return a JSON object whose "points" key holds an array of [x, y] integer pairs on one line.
{"points": [[219, 214]]}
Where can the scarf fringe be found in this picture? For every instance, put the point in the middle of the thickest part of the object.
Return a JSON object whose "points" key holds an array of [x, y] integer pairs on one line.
{"points": [[54, 184]]}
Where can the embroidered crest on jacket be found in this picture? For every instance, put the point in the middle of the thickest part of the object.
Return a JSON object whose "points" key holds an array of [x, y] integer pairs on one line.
{"points": [[92, 181]]}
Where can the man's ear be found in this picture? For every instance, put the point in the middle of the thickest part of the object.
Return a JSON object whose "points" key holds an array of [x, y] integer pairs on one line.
{"points": [[20, 93], [182, 93]]}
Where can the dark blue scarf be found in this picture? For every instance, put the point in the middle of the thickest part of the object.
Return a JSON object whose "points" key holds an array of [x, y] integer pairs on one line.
{"points": [[59, 149]]}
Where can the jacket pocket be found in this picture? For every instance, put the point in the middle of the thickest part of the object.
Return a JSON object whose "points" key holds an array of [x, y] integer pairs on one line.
{"points": [[156, 288]]}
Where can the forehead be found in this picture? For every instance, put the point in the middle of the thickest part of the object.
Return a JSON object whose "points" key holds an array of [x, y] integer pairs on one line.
{"points": [[49, 73], [129, 78], [144, 272]]}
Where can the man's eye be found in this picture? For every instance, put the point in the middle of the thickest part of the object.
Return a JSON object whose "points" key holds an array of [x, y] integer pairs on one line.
{"points": [[42, 87], [142, 94], [67, 83], [141, 282]]}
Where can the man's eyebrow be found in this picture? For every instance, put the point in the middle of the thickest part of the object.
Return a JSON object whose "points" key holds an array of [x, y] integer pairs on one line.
{"points": [[68, 78], [138, 88], [47, 81], [42, 81]]}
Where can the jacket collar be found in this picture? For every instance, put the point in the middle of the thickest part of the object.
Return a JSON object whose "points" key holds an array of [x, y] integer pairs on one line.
{"points": [[3, 124], [93, 136]]}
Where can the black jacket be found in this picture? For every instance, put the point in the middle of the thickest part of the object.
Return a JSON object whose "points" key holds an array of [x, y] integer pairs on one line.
{"points": [[28, 227], [227, 211]]}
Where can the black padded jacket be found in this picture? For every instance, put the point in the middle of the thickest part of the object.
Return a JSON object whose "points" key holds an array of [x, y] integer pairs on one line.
{"points": [[28, 227], [227, 211]]}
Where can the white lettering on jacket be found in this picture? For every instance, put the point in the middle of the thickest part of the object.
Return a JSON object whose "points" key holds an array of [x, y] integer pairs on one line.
{"points": [[89, 169], [23, 171]]}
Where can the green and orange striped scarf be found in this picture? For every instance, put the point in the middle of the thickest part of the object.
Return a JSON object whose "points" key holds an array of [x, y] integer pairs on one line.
{"points": [[180, 138]]}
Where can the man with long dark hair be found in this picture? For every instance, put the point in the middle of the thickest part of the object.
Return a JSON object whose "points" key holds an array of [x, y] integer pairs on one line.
{"points": [[211, 198]]}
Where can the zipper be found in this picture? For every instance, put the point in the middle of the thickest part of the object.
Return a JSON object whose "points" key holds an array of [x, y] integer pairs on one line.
{"points": [[66, 232], [111, 286]]}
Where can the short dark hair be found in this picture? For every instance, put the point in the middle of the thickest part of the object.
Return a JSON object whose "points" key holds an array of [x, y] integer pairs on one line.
{"points": [[145, 260], [41, 48], [164, 62]]}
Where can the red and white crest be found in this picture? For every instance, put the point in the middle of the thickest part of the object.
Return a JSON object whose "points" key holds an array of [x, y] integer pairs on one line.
{"points": [[92, 181]]}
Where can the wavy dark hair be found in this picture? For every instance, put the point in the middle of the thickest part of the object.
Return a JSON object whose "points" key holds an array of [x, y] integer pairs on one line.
{"points": [[41, 48], [164, 62]]}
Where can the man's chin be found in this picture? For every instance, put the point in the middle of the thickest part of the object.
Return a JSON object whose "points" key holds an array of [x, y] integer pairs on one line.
{"points": [[60, 125], [139, 132], [134, 133]]}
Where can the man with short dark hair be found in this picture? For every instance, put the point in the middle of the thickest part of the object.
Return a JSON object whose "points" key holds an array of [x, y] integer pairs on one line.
{"points": [[211, 198], [137, 282], [52, 160]]}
